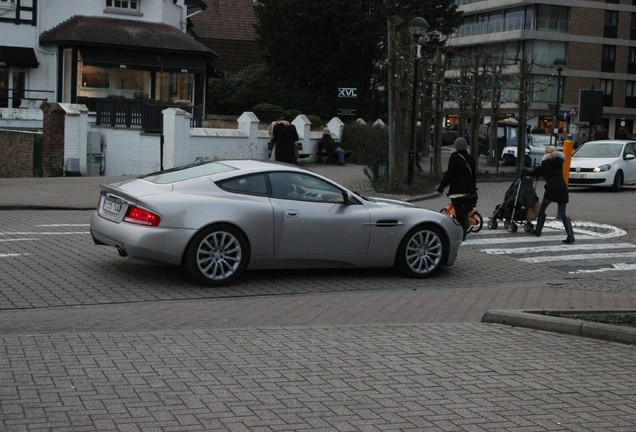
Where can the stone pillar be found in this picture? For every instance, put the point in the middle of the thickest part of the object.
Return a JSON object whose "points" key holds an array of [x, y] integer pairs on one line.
{"points": [[248, 124], [53, 145], [176, 138]]}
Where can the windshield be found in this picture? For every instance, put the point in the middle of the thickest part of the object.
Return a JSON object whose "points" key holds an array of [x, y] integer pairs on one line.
{"points": [[543, 140], [599, 150]]}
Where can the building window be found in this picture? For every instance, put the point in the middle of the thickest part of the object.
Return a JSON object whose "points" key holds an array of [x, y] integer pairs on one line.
{"points": [[123, 4], [552, 19], [632, 27], [544, 52], [608, 60], [630, 94], [607, 87], [7, 4], [128, 7], [611, 24], [631, 60]]}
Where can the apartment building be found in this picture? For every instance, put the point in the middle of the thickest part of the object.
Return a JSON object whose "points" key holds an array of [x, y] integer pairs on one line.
{"points": [[596, 38]]}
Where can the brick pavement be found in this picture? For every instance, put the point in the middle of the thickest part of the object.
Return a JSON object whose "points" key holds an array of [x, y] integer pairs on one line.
{"points": [[319, 351]]}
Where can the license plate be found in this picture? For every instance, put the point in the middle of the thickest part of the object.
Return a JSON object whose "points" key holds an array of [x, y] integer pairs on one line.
{"points": [[577, 175], [111, 207]]}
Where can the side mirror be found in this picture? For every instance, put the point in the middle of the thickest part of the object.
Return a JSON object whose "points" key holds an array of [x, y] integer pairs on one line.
{"points": [[629, 156]]}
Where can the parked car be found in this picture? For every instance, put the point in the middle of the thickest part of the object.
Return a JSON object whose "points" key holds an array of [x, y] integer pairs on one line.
{"points": [[219, 219], [449, 134], [604, 163], [535, 149]]}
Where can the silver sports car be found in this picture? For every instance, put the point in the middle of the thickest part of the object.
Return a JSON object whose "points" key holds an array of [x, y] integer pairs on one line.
{"points": [[219, 219]]}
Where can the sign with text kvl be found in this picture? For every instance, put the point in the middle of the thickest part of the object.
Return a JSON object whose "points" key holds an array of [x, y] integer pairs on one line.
{"points": [[347, 101], [347, 92]]}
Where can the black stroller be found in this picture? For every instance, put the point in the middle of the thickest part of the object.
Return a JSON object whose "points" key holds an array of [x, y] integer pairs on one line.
{"points": [[520, 200]]}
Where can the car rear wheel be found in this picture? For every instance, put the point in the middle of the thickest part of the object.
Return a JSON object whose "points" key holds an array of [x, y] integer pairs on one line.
{"points": [[421, 251], [618, 182], [217, 255]]}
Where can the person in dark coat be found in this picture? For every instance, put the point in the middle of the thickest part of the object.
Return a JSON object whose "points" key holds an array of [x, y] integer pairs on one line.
{"points": [[556, 190], [285, 136], [462, 179]]}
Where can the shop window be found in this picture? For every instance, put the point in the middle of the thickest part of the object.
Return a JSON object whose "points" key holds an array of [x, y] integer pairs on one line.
{"points": [[175, 87]]}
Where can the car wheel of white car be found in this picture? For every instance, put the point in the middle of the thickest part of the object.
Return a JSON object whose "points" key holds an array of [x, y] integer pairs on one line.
{"points": [[421, 252], [217, 255], [508, 160], [618, 182]]}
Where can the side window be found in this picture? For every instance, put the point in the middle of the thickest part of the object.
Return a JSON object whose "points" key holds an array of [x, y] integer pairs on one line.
{"points": [[629, 149], [252, 185], [303, 187]]}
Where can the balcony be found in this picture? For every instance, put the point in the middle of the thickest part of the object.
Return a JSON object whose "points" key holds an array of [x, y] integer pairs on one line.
{"points": [[501, 26]]}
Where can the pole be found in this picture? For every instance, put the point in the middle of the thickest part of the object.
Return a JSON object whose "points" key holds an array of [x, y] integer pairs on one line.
{"points": [[557, 105], [412, 148]]}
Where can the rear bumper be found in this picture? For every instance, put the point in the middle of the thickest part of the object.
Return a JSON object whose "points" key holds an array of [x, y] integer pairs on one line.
{"points": [[164, 245]]}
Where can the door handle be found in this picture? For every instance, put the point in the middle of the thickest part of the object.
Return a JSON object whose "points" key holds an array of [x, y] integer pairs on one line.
{"points": [[291, 213]]}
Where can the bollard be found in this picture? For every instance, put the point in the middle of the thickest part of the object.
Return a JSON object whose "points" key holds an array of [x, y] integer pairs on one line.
{"points": [[568, 145]]}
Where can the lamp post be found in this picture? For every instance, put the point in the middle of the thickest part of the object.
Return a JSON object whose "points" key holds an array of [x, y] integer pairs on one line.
{"points": [[558, 64], [418, 26]]}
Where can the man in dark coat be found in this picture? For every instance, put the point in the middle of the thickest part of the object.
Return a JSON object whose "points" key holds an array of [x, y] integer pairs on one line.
{"points": [[556, 190], [462, 179], [285, 137]]}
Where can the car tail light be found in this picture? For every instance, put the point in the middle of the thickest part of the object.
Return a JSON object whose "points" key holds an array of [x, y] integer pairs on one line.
{"points": [[140, 216]]}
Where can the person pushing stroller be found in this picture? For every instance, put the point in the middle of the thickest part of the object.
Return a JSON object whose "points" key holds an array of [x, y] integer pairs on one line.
{"points": [[462, 179], [556, 190]]}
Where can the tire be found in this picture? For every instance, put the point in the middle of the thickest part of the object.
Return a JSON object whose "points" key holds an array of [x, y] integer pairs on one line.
{"points": [[508, 160], [512, 227], [421, 252], [217, 255], [476, 221], [528, 227], [618, 182], [492, 224]]}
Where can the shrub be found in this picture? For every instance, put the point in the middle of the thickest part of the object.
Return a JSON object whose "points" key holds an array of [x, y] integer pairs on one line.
{"points": [[367, 144]]}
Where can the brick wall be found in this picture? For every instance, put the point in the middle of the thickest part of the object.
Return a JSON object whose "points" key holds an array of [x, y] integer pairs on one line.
{"points": [[16, 153], [53, 146]]}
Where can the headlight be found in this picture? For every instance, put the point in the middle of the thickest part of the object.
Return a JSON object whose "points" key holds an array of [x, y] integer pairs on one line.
{"points": [[602, 168]]}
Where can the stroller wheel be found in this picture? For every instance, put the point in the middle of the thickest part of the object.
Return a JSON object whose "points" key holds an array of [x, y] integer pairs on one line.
{"points": [[528, 227], [492, 224], [512, 227], [506, 224]]}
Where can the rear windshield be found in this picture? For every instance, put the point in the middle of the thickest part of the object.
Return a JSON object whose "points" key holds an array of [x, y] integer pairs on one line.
{"points": [[187, 172]]}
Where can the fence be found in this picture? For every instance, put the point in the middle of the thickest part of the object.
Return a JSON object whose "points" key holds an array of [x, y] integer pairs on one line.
{"points": [[132, 112]]}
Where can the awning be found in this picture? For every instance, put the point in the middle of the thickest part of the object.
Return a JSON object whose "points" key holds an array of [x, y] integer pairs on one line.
{"points": [[18, 57], [145, 60]]}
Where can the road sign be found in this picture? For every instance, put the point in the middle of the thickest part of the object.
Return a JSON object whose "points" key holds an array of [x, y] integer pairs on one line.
{"points": [[573, 111]]}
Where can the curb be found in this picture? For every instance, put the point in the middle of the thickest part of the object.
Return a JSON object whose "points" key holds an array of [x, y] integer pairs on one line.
{"points": [[538, 320]]}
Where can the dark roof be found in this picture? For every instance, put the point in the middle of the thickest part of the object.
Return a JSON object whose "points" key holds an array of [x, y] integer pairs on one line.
{"points": [[121, 33], [226, 19], [227, 27]]}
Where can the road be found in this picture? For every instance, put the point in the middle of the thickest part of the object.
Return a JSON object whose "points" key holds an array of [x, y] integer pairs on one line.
{"points": [[92, 341]]}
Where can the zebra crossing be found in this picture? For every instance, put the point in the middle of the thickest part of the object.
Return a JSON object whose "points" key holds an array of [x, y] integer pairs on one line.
{"points": [[597, 249]]}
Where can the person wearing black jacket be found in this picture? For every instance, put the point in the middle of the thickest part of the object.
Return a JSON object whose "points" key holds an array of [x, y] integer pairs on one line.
{"points": [[462, 179], [284, 137], [556, 190]]}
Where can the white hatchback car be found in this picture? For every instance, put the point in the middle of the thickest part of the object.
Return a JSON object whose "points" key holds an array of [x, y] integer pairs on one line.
{"points": [[606, 163]]}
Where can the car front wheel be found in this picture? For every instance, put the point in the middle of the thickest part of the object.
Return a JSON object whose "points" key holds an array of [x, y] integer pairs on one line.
{"points": [[421, 252], [618, 182], [217, 255]]}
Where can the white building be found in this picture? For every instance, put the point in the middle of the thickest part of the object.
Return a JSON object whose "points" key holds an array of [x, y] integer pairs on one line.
{"points": [[85, 51]]}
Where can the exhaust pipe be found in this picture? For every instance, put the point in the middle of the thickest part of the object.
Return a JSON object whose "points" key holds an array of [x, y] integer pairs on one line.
{"points": [[122, 251]]}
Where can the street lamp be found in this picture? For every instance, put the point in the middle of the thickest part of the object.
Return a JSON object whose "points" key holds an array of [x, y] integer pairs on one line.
{"points": [[558, 64], [418, 27]]}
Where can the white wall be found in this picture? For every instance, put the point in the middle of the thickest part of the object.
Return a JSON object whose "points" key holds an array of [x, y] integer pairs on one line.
{"points": [[129, 151]]}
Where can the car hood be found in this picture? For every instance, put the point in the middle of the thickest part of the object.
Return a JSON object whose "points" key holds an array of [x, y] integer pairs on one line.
{"points": [[590, 162]]}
